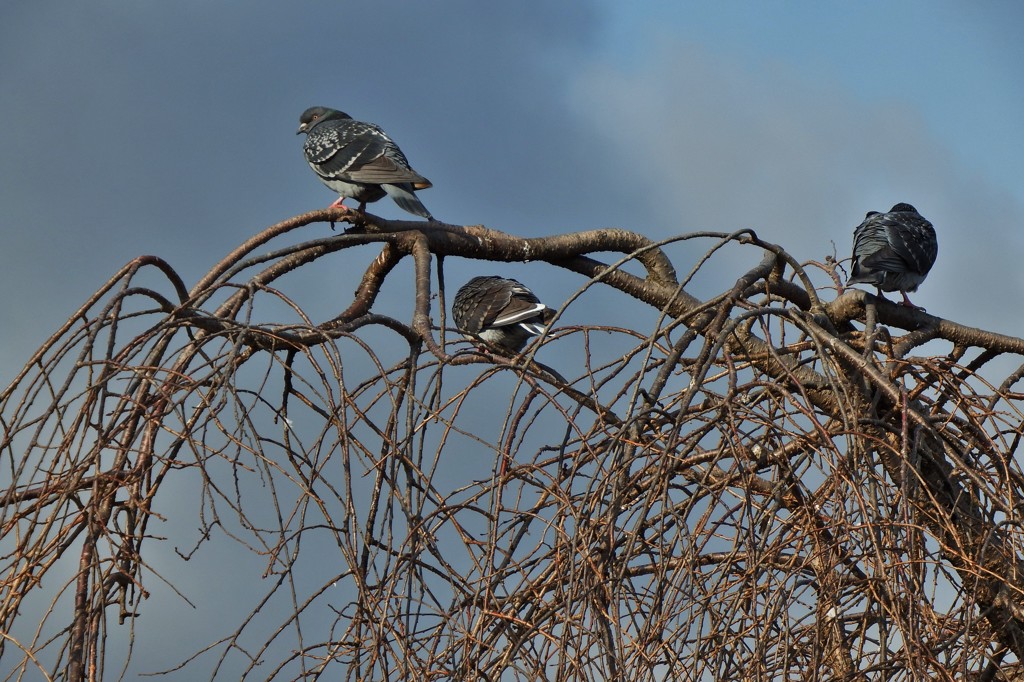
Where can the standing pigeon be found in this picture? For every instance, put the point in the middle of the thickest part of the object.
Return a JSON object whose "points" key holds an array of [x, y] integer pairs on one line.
{"points": [[500, 311], [359, 161], [894, 250]]}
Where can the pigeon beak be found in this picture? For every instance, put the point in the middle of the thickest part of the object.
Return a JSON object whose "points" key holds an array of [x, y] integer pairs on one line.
{"points": [[302, 129]]}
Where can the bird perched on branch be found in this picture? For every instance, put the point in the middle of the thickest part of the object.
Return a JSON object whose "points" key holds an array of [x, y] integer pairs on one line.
{"points": [[359, 161], [893, 251], [499, 311]]}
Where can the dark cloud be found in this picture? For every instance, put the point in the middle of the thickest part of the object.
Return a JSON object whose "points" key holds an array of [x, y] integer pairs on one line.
{"points": [[169, 128]]}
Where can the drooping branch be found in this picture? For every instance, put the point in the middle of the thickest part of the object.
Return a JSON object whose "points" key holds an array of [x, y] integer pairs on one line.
{"points": [[758, 484]]}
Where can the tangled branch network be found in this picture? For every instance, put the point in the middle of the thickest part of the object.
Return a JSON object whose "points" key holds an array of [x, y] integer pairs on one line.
{"points": [[750, 484]]}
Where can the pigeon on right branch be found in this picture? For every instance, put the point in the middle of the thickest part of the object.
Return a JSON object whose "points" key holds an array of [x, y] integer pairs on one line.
{"points": [[893, 251], [499, 311]]}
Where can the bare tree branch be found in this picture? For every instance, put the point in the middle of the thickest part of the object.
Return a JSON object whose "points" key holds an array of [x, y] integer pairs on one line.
{"points": [[759, 484]]}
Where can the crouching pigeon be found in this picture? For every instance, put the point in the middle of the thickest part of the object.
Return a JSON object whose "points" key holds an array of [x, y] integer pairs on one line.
{"points": [[893, 251], [499, 311], [359, 161]]}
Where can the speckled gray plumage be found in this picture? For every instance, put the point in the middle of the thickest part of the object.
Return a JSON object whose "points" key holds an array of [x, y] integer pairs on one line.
{"points": [[893, 251], [359, 161], [499, 311]]}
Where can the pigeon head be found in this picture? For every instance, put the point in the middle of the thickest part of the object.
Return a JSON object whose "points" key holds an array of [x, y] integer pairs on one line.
{"points": [[314, 115], [902, 208]]}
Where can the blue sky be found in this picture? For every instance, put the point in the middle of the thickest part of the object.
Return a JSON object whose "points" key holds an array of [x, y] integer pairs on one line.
{"points": [[957, 61], [168, 129]]}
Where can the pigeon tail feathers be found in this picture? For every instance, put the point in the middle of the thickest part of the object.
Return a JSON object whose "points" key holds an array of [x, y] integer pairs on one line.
{"points": [[406, 200]]}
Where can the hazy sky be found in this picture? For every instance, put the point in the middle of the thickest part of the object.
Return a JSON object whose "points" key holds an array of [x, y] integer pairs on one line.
{"points": [[169, 129]]}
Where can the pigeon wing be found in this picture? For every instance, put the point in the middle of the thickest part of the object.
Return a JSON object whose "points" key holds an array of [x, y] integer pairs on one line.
{"points": [[385, 171], [359, 152], [337, 148], [912, 239], [476, 304], [523, 304], [493, 302]]}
